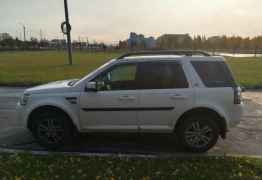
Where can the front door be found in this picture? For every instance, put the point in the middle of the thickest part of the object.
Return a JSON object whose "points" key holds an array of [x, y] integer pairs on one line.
{"points": [[114, 106]]}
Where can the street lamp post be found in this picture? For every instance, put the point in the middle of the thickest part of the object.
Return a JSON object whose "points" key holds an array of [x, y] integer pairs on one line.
{"points": [[66, 29]]}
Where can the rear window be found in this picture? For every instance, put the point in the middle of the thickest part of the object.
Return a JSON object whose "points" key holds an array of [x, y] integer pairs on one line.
{"points": [[214, 74]]}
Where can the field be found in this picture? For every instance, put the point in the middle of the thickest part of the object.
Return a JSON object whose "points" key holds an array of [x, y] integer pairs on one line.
{"points": [[27, 166], [248, 71], [32, 68]]}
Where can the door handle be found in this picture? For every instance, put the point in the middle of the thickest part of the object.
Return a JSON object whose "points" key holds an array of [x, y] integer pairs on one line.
{"points": [[178, 96], [126, 98]]}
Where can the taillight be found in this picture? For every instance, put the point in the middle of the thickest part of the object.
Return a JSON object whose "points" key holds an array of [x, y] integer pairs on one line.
{"points": [[237, 95]]}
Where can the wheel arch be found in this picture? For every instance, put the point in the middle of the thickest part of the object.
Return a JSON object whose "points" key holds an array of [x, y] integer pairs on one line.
{"points": [[220, 120], [48, 107]]}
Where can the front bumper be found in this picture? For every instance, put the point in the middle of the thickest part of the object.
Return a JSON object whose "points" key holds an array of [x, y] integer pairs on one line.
{"points": [[21, 115]]}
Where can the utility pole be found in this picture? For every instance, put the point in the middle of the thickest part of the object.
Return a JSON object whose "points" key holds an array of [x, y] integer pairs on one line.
{"points": [[66, 29]]}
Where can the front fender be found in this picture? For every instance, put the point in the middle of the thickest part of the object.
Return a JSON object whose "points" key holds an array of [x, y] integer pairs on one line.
{"points": [[59, 102]]}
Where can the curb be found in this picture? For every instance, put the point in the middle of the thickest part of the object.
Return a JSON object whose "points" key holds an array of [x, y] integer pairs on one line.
{"points": [[149, 156]]}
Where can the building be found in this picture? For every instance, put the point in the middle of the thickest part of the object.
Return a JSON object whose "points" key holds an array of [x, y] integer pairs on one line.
{"points": [[174, 41], [97, 46], [139, 41], [214, 39], [150, 42], [58, 43]]}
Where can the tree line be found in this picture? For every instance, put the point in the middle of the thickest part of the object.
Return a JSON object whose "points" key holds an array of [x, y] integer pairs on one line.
{"points": [[216, 43], [15, 43], [233, 44], [54, 44]]}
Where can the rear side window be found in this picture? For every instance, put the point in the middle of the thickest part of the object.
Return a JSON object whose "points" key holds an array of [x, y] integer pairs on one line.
{"points": [[214, 74], [161, 75]]}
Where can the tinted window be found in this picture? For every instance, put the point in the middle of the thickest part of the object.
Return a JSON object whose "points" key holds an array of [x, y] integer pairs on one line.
{"points": [[214, 74], [123, 73], [121, 77], [161, 75]]}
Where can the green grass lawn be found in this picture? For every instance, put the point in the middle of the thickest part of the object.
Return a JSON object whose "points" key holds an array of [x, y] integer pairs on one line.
{"points": [[26, 166], [248, 71], [32, 68], [27, 68]]}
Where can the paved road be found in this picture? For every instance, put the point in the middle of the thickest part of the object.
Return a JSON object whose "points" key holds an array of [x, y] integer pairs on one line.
{"points": [[244, 139]]}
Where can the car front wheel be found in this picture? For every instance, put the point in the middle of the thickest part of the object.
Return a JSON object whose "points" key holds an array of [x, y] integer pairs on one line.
{"points": [[198, 133], [52, 129]]}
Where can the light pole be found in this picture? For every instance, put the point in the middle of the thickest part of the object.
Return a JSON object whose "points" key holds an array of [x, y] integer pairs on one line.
{"points": [[66, 29]]}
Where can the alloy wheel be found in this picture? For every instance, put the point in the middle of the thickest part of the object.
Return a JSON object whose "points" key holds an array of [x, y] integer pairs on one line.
{"points": [[51, 130], [198, 134]]}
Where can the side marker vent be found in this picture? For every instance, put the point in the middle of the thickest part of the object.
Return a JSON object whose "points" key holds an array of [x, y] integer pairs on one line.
{"points": [[72, 100]]}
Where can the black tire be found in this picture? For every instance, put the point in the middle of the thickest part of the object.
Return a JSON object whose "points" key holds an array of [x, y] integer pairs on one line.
{"points": [[60, 129], [198, 141]]}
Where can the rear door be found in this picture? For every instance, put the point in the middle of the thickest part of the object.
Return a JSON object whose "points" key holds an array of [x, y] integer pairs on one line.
{"points": [[218, 83], [164, 94]]}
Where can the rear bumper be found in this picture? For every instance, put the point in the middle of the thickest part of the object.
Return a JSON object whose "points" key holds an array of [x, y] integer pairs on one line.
{"points": [[236, 115]]}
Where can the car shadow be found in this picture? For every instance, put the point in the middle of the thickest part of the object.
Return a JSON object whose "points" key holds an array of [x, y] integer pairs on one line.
{"points": [[125, 143]]}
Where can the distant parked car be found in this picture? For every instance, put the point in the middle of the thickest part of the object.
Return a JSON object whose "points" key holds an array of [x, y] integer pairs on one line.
{"points": [[189, 93]]}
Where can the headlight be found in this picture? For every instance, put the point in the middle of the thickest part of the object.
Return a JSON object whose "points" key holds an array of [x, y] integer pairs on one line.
{"points": [[24, 99]]}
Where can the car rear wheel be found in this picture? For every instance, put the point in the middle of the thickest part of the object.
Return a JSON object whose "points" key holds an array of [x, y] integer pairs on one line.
{"points": [[52, 129], [198, 133]]}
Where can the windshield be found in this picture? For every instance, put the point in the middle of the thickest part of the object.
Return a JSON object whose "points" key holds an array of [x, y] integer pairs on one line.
{"points": [[73, 82]]}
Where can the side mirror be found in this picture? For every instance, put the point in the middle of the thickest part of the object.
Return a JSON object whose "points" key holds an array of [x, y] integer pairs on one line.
{"points": [[91, 86]]}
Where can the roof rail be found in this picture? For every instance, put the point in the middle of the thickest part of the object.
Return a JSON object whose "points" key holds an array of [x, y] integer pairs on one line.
{"points": [[164, 52]]}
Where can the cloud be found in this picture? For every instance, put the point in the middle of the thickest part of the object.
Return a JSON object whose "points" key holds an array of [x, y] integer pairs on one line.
{"points": [[113, 20]]}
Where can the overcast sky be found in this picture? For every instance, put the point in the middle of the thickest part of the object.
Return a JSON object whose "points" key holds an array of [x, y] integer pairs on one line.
{"points": [[112, 20]]}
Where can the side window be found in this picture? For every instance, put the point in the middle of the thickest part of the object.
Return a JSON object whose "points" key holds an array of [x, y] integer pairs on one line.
{"points": [[214, 74], [121, 77], [161, 75], [123, 73]]}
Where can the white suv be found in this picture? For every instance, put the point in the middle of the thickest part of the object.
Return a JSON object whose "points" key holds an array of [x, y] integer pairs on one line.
{"points": [[189, 93]]}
